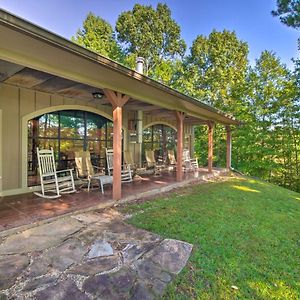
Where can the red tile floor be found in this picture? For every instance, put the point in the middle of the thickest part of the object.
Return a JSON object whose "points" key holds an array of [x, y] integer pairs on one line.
{"points": [[28, 208]]}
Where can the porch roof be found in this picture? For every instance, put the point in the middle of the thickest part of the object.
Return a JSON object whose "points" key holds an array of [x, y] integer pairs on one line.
{"points": [[31, 49]]}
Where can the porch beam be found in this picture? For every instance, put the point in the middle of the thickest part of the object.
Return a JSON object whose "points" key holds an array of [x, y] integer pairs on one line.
{"points": [[180, 118], [228, 147], [143, 107], [117, 101], [210, 125]]}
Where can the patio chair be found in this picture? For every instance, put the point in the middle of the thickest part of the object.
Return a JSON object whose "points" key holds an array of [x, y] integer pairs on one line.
{"points": [[84, 168], [151, 162], [188, 162], [129, 162], [172, 159], [126, 172], [53, 183]]}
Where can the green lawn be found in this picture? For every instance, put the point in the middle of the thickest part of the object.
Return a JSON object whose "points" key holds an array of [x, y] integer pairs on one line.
{"points": [[245, 232]]}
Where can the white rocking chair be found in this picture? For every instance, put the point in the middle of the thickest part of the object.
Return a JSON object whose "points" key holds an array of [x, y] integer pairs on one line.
{"points": [[126, 172], [188, 162], [53, 183]]}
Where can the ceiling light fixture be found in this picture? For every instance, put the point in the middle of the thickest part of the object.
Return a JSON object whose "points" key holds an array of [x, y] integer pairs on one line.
{"points": [[98, 95]]}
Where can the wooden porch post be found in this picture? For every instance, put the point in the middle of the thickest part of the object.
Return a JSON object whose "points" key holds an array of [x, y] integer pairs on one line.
{"points": [[210, 145], [179, 117], [117, 101], [228, 148]]}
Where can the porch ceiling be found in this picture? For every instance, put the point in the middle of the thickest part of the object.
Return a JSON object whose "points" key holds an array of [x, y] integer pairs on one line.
{"points": [[25, 77], [34, 58]]}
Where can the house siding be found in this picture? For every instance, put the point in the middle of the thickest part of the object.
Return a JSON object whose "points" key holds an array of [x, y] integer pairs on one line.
{"points": [[18, 105]]}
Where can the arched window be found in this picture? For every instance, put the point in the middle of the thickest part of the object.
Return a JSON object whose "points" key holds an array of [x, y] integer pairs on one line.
{"points": [[159, 138], [68, 131]]}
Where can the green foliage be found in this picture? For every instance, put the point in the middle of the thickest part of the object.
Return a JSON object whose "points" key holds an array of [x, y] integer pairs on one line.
{"points": [[288, 12], [217, 65], [98, 35], [265, 97], [272, 145], [215, 72], [244, 232], [151, 34]]}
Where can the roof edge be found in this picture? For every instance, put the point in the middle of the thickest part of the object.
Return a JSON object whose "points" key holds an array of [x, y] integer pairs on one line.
{"points": [[23, 25]]}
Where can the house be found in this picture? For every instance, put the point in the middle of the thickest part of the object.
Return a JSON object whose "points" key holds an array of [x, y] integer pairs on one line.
{"points": [[56, 93]]}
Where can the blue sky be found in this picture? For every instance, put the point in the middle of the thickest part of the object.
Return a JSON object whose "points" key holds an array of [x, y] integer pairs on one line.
{"points": [[250, 19]]}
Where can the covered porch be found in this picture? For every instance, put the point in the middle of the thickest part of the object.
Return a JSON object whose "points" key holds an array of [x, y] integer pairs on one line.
{"points": [[27, 210], [44, 75]]}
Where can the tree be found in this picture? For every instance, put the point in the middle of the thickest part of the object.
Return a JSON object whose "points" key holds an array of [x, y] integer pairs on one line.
{"points": [[151, 34], [98, 35], [217, 68], [273, 138], [288, 12], [215, 73]]}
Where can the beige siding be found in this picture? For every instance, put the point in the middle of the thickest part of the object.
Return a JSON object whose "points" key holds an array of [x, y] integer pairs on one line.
{"points": [[56, 100], [1, 144], [27, 103], [42, 100], [17, 106], [10, 105]]}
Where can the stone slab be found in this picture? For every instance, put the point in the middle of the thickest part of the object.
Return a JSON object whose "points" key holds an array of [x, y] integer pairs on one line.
{"points": [[38, 282], [171, 255], [112, 285], [65, 290], [100, 248], [10, 268], [95, 266], [40, 237], [59, 258]]}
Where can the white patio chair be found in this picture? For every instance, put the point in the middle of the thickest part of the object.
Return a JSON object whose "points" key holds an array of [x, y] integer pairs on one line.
{"points": [[126, 172], [188, 162], [53, 183], [84, 168]]}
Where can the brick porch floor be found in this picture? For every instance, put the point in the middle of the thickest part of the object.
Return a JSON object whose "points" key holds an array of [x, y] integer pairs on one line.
{"points": [[26, 209]]}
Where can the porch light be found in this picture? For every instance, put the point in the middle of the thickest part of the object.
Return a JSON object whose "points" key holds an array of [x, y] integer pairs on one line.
{"points": [[98, 95]]}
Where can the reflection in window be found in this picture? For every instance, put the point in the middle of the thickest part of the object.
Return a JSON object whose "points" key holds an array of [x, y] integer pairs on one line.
{"points": [[159, 138], [68, 131]]}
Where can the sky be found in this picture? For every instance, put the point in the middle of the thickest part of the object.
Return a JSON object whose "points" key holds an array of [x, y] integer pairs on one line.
{"points": [[250, 19]]}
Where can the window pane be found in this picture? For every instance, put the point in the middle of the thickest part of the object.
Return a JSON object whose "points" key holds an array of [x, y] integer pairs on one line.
{"points": [[48, 125], [71, 126], [109, 131], [47, 144], [68, 131], [67, 146], [94, 147]]}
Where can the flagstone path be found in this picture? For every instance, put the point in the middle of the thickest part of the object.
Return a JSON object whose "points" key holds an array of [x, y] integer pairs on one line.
{"points": [[94, 255]]}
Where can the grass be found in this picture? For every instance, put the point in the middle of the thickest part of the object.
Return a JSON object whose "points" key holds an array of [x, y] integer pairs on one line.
{"points": [[245, 232]]}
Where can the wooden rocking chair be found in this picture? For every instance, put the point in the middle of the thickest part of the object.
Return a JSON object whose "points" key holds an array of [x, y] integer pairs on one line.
{"points": [[126, 172], [53, 183]]}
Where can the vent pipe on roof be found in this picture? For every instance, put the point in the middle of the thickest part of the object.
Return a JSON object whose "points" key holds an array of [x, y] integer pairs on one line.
{"points": [[140, 65]]}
